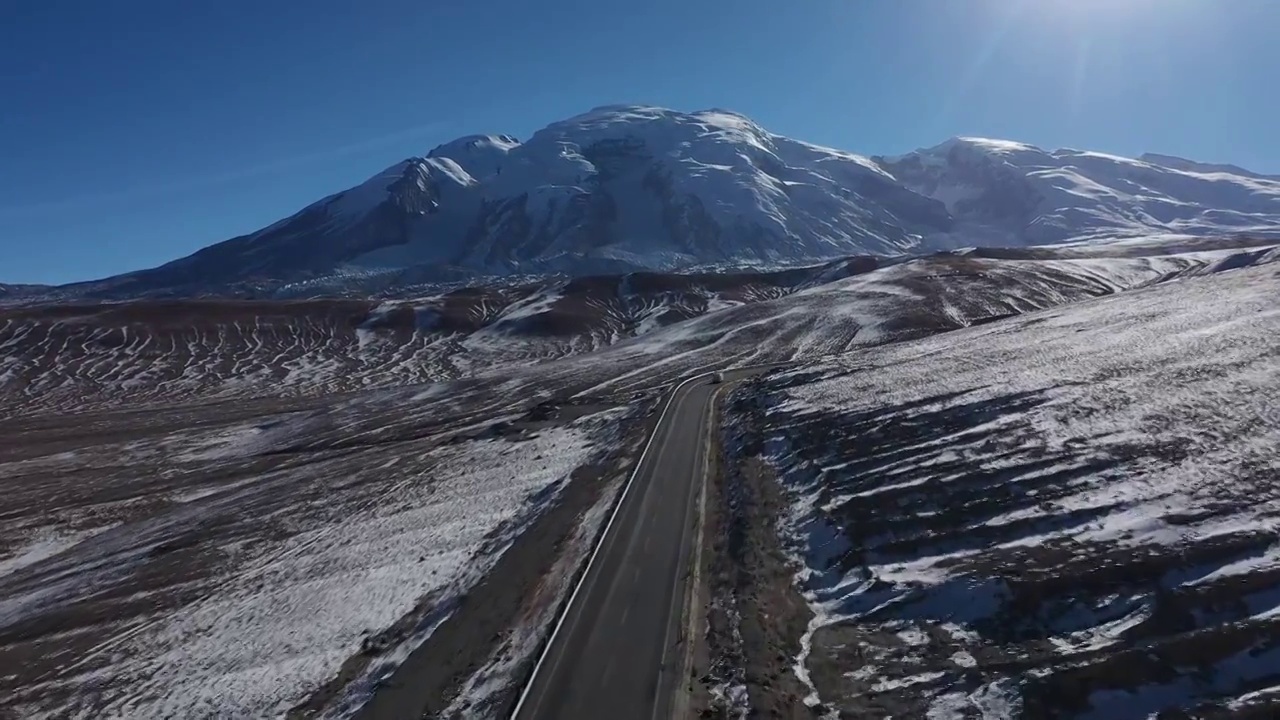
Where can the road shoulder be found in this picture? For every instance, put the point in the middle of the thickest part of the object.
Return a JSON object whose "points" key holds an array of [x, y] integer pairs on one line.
{"points": [[690, 695]]}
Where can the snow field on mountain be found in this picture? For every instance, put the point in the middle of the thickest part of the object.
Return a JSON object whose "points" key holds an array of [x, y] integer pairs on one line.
{"points": [[1018, 194]]}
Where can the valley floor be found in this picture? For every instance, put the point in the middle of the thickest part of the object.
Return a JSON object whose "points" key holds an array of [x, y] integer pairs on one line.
{"points": [[255, 559], [1069, 514], [244, 510]]}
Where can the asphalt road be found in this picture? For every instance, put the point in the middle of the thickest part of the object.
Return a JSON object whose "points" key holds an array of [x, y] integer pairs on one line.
{"points": [[619, 651]]}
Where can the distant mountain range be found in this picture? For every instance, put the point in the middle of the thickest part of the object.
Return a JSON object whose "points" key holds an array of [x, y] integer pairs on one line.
{"points": [[626, 188]]}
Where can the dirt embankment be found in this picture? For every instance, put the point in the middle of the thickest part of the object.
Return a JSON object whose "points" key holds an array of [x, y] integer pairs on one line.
{"points": [[754, 617]]}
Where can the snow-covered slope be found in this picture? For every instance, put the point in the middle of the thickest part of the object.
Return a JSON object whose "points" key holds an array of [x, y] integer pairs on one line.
{"points": [[1177, 163], [17, 293], [654, 188], [220, 548], [92, 355], [656, 325], [1070, 514], [624, 188], [1006, 193], [618, 188], [235, 560], [907, 300]]}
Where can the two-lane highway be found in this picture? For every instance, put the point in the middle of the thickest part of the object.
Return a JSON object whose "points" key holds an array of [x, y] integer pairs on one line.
{"points": [[617, 652]]}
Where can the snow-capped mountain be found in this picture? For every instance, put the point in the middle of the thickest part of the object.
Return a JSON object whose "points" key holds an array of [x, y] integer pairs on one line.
{"points": [[622, 188], [1007, 193]]}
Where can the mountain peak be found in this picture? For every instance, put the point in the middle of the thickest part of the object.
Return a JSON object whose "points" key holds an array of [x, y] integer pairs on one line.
{"points": [[480, 156], [965, 145], [635, 115], [987, 145], [473, 142], [630, 186], [617, 113]]}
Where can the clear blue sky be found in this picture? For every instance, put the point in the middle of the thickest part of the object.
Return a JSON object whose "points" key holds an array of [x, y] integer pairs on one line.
{"points": [[133, 132]]}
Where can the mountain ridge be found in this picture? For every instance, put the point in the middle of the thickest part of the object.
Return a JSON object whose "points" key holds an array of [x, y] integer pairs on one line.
{"points": [[632, 187]]}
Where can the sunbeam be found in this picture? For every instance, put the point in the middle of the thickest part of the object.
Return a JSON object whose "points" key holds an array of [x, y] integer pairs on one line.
{"points": [[977, 67]]}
